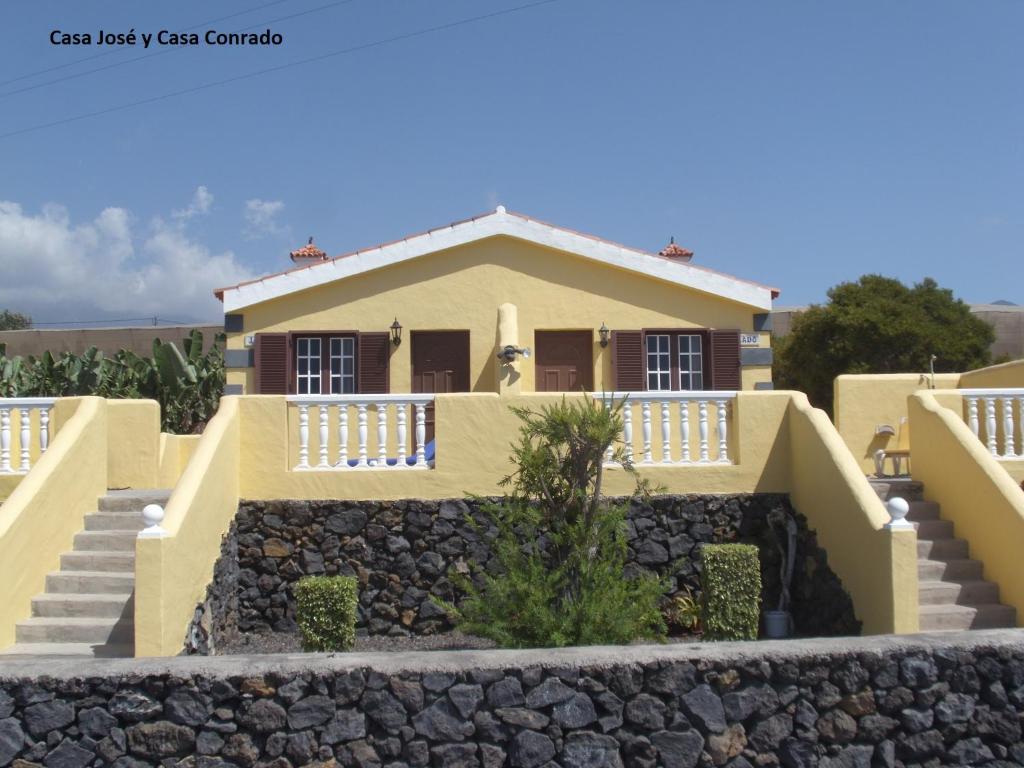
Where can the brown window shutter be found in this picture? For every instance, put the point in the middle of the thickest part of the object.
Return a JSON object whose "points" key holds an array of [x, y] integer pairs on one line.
{"points": [[373, 363], [725, 359], [628, 361], [271, 361]]}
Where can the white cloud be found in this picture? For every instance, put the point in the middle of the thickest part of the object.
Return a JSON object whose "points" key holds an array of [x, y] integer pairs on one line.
{"points": [[202, 199], [111, 267], [261, 218]]}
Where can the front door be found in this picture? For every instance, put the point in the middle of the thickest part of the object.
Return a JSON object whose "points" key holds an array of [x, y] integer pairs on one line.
{"points": [[565, 361], [440, 363]]}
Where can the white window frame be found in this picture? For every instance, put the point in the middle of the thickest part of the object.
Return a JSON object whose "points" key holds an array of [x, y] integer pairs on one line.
{"points": [[342, 348], [691, 374], [662, 376], [309, 376]]}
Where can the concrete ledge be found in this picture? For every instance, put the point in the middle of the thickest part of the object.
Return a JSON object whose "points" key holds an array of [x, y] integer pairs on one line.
{"points": [[461, 661]]}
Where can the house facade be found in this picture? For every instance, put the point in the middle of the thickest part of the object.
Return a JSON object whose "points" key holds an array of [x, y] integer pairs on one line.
{"points": [[498, 303]]}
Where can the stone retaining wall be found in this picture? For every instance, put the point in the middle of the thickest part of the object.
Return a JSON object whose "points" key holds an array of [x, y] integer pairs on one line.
{"points": [[946, 699], [403, 551]]}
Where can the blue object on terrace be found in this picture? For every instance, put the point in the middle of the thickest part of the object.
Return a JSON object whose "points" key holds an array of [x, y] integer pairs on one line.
{"points": [[429, 449]]}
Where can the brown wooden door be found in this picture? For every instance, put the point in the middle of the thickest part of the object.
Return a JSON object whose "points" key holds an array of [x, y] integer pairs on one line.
{"points": [[440, 363], [565, 361]]}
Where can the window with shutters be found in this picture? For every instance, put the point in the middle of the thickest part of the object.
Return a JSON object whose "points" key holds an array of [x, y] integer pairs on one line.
{"points": [[659, 363], [325, 365], [674, 361]]}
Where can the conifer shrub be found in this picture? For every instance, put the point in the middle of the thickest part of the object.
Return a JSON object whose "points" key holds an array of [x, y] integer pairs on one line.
{"points": [[731, 586], [560, 545], [326, 608]]}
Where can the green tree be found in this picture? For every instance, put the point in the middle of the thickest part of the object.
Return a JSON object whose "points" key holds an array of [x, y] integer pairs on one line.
{"points": [[879, 325], [560, 544], [14, 321]]}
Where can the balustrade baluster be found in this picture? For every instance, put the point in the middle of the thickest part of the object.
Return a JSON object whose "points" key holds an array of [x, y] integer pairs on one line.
{"points": [[26, 439], [1008, 428], [44, 429], [722, 407], [5, 439], [1020, 421], [972, 416], [342, 436], [684, 429], [666, 439], [990, 425], [421, 435], [323, 437], [702, 416], [362, 436], [627, 431], [645, 410], [400, 415], [382, 434], [303, 437]]}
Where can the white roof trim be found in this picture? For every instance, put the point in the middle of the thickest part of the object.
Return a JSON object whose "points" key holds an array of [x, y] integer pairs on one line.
{"points": [[492, 225]]}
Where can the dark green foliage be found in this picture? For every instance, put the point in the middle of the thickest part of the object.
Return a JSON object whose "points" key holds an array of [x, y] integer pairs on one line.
{"points": [[560, 545], [187, 385], [326, 607], [14, 321], [731, 585], [879, 325]]}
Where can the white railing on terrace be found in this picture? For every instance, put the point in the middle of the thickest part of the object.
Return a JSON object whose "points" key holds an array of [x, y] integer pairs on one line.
{"points": [[996, 416], [342, 429], [692, 427], [16, 419]]}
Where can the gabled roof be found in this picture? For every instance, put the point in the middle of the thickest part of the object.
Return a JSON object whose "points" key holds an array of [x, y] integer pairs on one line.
{"points": [[496, 223]]}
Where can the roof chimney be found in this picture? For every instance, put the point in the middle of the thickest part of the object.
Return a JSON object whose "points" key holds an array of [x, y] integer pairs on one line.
{"points": [[675, 252], [308, 254]]}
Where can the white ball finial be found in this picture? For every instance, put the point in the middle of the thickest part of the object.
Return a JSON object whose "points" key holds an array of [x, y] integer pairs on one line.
{"points": [[898, 509], [152, 516], [500, 209]]}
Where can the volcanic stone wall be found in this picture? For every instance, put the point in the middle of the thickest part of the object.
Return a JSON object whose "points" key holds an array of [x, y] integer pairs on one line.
{"points": [[944, 700], [403, 552]]}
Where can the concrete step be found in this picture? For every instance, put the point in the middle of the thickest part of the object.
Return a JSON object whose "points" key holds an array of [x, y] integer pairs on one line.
{"points": [[114, 521], [957, 592], [949, 570], [986, 616], [934, 529], [132, 500], [72, 605], [923, 510], [106, 541], [91, 582], [72, 630], [98, 561], [942, 549], [897, 487], [86, 650]]}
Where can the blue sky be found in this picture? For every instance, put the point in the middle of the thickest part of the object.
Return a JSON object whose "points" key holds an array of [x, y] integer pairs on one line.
{"points": [[794, 143]]}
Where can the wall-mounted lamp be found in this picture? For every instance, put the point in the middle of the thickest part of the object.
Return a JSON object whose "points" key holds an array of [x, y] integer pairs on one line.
{"points": [[396, 332], [604, 333], [509, 351]]}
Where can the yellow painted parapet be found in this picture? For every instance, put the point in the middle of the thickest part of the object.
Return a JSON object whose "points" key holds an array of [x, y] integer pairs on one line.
{"points": [[42, 515], [985, 505], [1005, 375], [134, 446], [173, 570], [878, 567]]}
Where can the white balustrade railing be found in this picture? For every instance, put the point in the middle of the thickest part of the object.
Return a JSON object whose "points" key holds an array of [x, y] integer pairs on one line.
{"points": [[678, 418], [996, 417], [16, 423], [342, 431]]}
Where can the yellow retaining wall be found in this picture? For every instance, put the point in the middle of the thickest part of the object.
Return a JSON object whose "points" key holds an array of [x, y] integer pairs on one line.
{"points": [[175, 453], [1005, 375], [878, 567], [985, 505], [863, 402], [134, 447], [171, 572], [42, 515]]}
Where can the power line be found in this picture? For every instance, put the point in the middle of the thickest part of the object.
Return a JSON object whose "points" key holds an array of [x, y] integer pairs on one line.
{"points": [[280, 67], [151, 319], [120, 48], [165, 50]]}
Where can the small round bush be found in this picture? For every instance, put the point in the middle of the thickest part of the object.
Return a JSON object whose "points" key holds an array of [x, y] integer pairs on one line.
{"points": [[327, 611]]}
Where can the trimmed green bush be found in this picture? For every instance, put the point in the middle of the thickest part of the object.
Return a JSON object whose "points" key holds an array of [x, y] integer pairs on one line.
{"points": [[326, 608], [731, 582]]}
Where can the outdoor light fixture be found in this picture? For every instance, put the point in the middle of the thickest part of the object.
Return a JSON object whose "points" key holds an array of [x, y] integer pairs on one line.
{"points": [[605, 333], [396, 332], [509, 351]]}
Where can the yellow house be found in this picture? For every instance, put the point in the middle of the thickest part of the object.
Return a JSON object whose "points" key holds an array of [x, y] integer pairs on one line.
{"points": [[498, 303]]}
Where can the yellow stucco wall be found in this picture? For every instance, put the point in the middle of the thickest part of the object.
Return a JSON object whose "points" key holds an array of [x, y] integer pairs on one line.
{"points": [[42, 515], [985, 505], [1005, 375], [878, 567], [171, 573], [863, 402], [134, 452], [461, 288]]}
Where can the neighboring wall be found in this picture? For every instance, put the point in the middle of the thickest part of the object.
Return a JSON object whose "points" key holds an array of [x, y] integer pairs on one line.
{"points": [[404, 552], [107, 340], [461, 288], [985, 505], [1005, 375], [937, 700]]}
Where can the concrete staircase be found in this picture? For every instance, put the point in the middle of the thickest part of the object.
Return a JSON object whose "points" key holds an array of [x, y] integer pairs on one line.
{"points": [[952, 592], [88, 607]]}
